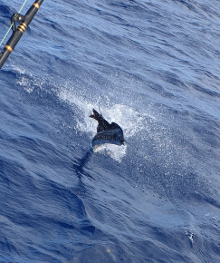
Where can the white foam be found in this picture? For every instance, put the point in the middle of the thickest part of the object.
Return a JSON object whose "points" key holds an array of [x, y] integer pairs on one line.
{"points": [[19, 70], [25, 83]]}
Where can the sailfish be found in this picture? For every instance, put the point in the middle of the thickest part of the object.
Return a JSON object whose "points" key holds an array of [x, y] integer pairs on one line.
{"points": [[106, 132]]}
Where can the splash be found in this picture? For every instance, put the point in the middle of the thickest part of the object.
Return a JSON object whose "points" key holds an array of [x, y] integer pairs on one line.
{"points": [[129, 119], [115, 152]]}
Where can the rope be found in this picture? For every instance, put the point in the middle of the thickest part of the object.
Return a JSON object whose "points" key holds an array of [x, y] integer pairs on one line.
{"points": [[12, 23]]}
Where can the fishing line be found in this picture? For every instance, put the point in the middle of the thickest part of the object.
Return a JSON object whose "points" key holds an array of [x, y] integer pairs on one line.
{"points": [[12, 23]]}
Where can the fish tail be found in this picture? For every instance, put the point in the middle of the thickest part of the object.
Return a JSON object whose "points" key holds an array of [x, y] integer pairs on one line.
{"points": [[96, 115]]}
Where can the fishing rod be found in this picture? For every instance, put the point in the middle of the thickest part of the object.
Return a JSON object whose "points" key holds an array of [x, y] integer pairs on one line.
{"points": [[18, 32]]}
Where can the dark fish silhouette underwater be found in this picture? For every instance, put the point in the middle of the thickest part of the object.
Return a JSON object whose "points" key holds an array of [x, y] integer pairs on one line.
{"points": [[106, 132]]}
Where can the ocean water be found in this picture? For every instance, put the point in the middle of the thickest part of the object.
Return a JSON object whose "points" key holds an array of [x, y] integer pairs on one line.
{"points": [[152, 67]]}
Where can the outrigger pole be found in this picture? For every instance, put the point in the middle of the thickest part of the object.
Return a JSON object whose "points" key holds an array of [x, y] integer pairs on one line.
{"points": [[17, 33]]}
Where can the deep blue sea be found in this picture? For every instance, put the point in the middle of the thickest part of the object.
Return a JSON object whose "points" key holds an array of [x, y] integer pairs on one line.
{"points": [[153, 67]]}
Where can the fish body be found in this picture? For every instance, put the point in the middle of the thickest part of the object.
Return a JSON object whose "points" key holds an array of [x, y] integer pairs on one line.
{"points": [[106, 132]]}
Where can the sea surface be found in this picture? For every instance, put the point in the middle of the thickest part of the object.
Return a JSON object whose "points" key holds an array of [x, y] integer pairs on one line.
{"points": [[153, 67]]}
